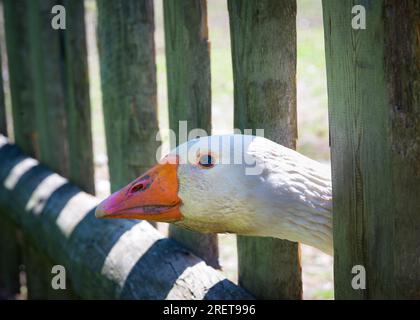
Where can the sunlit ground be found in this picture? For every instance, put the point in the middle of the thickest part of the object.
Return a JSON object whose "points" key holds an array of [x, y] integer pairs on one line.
{"points": [[312, 113]]}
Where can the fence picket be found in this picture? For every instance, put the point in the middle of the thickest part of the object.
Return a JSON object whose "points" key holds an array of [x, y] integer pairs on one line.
{"points": [[373, 78], [263, 36], [189, 92], [128, 75], [50, 100]]}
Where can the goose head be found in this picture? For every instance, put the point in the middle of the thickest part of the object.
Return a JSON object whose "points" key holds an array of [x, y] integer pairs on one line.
{"points": [[238, 184]]}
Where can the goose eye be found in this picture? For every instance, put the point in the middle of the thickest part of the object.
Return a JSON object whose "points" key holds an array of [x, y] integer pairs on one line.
{"points": [[206, 161]]}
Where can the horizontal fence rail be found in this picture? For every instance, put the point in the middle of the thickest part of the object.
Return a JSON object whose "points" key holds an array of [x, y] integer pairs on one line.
{"points": [[103, 259]]}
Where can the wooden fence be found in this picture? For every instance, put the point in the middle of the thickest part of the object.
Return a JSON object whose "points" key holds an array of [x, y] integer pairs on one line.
{"points": [[374, 94]]}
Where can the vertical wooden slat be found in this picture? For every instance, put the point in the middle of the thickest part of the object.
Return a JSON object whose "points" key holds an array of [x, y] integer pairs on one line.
{"points": [[189, 92], [50, 87], [263, 36], [128, 75], [61, 91], [23, 110], [38, 268], [374, 92], [78, 111], [3, 124], [9, 248], [47, 61], [20, 75], [188, 63], [38, 272], [9, 259], [50, 103]]}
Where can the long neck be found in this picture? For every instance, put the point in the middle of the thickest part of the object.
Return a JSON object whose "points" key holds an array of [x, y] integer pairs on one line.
{"points": [[311, 225], [296, 199]]}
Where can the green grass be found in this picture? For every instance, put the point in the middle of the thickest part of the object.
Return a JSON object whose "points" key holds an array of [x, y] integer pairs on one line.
{"points": [[311, 80], [323, 295]]}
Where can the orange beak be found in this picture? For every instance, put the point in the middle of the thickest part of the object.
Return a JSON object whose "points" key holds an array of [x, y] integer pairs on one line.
{"points": [[153, 196]]}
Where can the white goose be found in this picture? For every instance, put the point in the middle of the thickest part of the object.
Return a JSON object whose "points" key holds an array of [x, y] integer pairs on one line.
{"points": [[233, 183]]}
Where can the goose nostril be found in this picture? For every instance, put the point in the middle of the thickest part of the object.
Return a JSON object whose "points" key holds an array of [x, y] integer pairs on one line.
{"points": [[137, 188], [141, 185]]}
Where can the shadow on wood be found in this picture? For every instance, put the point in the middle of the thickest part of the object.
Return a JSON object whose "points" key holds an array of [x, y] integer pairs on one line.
{"points": [[104, 259]]}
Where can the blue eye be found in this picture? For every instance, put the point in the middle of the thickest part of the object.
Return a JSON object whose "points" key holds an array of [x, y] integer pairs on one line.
{"points": [[206, 161]]}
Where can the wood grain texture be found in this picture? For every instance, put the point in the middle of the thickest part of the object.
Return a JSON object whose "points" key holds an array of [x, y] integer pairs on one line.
{"points": [[9, 259], [3, 123], [47, 62], [20, 75], [9, 251], [51, 102], [374, 94], [189, 92], [128, 75], [104, 259], [38, 268], [23, 115], [188, 63], [263, 36], [50, 87], [78, 111]]}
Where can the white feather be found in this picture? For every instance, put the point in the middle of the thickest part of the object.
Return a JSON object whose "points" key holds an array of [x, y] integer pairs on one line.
{"points": [[257, 187]]}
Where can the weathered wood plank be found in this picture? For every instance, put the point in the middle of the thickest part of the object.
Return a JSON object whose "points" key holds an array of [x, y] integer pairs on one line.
{"points": [[128, 76], [263, 36], [54, 106], [38, 269], [20, 75], [78, 111], [3, 123], [374, 94], [9, 259], [23, 112], [47, 61], [188, 63], [50, 87], [189, 92], [104, 259], [9, 250]]}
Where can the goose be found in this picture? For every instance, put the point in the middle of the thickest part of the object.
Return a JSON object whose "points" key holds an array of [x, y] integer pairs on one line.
{"points": [[242, 184]]}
